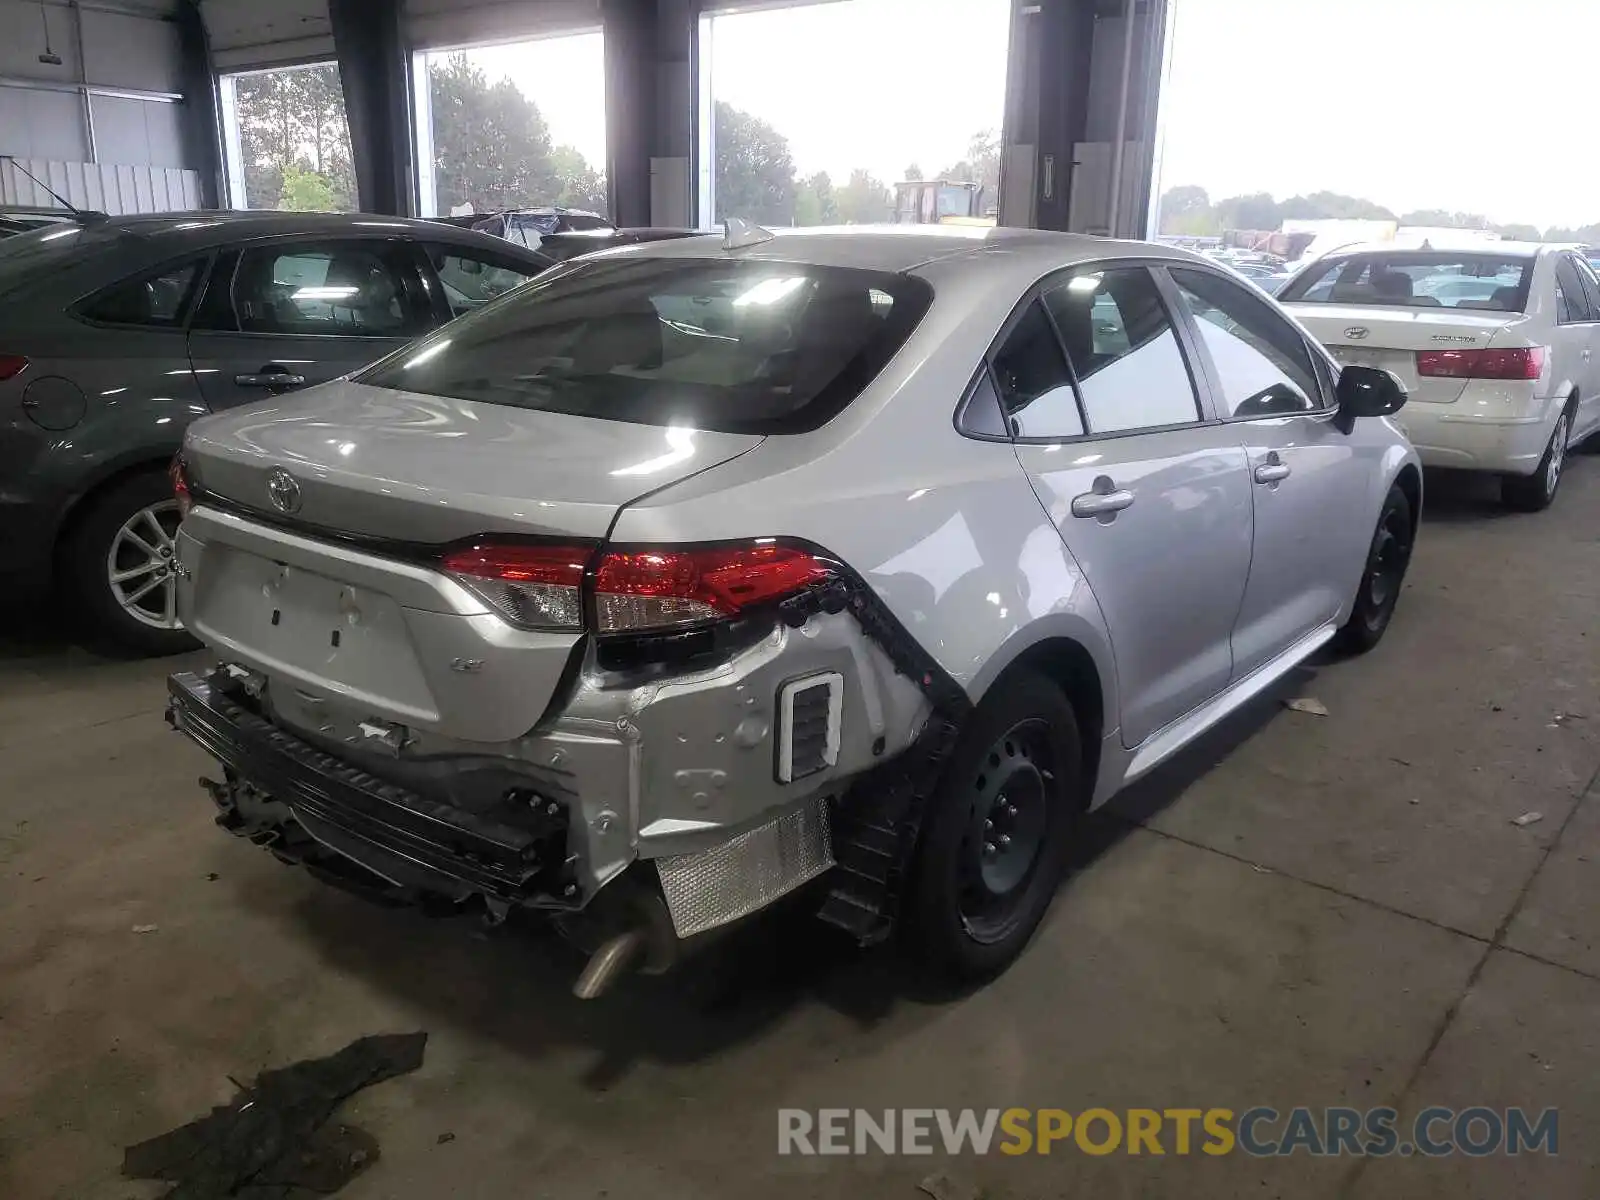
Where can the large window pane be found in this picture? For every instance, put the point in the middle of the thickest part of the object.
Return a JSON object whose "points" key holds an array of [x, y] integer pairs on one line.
{"points": [[1282, 137], [848, 113], [287, 140], [513, 127]]}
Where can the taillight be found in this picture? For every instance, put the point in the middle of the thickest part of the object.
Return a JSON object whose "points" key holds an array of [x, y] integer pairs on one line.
{"points": [[1513, 362], [180, 486], [635, 590], [12, 365], [658, 588], [534, 586]]}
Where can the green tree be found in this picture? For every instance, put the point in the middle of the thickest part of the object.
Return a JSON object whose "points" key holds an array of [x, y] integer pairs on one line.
{"points": [[491, 146], [981, 166], [755, 170], [1322, 206], [581, 186], [1255, 211], [815, 202], [294, 120], [1588, 235], [1519, 233], [1186, 210], [912, 174], [865, 199], [305, 191]]}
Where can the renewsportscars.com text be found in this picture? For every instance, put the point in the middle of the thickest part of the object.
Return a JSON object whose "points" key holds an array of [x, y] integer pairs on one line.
{"points": [[1259, 1131]]}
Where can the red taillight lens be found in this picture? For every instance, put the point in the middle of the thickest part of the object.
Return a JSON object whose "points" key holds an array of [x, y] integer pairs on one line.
{"points": [[534, 586], [635, 590], [1516, 362], [180, 487], [658, 588], [12, 365]]}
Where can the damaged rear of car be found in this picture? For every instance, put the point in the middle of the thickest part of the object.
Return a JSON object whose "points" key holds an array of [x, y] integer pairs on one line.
{"points": [[446, 678]]}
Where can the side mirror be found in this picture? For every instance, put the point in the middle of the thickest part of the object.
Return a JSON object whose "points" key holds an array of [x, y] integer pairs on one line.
{"points": [[1367, 392]]}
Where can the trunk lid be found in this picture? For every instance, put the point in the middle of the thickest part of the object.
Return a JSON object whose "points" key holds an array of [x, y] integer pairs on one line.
{"points": [[378, 463], [1390, 336], [351, 636]]}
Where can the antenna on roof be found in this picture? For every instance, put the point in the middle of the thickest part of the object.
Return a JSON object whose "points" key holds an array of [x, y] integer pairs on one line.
{"points": [[59, 199], [739, 233]]}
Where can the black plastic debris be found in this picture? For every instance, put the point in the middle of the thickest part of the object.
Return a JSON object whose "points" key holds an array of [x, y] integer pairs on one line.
{"points": [[269, 1142]]}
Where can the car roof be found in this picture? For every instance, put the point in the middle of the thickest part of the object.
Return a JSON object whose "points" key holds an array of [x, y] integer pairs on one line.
{"points": [[903, 248]]}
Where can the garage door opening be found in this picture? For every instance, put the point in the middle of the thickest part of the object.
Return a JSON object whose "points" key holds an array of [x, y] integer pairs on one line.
{"points": [[514, 126], [286, 140], [852, 113]]}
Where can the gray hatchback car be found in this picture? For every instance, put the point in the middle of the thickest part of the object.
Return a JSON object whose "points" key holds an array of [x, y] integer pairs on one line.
{"points": [[116, 333], [691, 573]]}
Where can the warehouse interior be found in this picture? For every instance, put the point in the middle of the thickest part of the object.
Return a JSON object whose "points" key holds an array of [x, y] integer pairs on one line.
{"points": [[1374, 889]]}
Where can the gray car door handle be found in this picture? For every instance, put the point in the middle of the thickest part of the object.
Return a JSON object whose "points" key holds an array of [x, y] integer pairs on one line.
{"points": [[270, 379], [1272, 472], [1100, 504]]}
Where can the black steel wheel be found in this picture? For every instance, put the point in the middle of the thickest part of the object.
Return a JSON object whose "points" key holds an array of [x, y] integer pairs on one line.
{"points": [[995, 837], [1383, 576]]}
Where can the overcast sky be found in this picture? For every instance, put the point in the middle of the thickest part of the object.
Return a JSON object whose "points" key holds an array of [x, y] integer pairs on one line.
{"points": [[1469, 105]]}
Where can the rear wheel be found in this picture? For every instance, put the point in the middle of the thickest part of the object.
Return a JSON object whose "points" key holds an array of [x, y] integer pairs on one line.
{"points": [[120, 566], [1381, 578], [1533, 493], [994, 845]]}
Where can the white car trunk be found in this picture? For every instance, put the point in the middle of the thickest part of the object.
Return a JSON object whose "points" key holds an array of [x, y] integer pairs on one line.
{"points": [[1390, 337]]}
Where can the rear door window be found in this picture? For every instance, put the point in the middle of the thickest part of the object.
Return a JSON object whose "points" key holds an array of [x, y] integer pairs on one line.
{"points": [[1261, 361], [1123, 350], [340, 289], [737, 346]]}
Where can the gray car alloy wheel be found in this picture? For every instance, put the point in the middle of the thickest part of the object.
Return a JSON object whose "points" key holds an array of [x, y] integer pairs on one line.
{"points": [[1558, 455], [140, 567]]}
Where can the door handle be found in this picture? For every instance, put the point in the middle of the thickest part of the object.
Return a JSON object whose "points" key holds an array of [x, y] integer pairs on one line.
{"points": [[267, 378], [1100, 504], [1272, 472]]}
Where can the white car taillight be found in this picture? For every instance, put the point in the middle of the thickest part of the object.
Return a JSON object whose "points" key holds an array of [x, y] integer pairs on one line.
{"points": [[531, 585]]}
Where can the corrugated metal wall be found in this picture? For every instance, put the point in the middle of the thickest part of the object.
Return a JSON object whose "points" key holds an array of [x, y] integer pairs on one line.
{"points": [[109, 104], [105, 187]]}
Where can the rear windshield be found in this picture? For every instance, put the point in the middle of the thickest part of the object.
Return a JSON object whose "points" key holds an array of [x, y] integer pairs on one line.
{"points": [[1493, 282], [733, 346]]}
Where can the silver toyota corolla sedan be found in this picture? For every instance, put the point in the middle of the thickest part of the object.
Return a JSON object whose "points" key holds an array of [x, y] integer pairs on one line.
{"points": [[695, 572]]}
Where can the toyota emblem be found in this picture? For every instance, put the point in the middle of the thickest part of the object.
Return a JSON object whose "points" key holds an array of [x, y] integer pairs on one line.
{"points": [[283, 490], [1356, 332]]}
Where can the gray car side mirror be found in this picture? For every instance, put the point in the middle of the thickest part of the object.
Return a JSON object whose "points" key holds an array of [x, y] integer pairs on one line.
{"points": [[1367, 392]]}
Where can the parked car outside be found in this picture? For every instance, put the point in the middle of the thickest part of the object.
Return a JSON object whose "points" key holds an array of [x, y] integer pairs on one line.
{"points": [[116, 333], [585, 607], [1499, 347]]}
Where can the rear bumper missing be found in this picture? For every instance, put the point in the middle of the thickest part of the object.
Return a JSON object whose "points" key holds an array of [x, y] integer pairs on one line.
{"points": [[274, 779]]}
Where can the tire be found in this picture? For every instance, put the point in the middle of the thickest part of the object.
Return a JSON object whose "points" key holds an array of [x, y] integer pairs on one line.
{"points": [[1382, 576], [970, 911], [136, 618], [1534, 493]]}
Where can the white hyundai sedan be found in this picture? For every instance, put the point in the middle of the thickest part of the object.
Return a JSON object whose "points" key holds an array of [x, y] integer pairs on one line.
{"points": [[1498, 345]]}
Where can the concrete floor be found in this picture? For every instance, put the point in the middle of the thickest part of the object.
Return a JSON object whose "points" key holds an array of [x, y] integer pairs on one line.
{"points": [[1307, 910]]}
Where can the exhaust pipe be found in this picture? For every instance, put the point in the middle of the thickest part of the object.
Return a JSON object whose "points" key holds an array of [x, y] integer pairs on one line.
{"points": [[607, 964]]}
